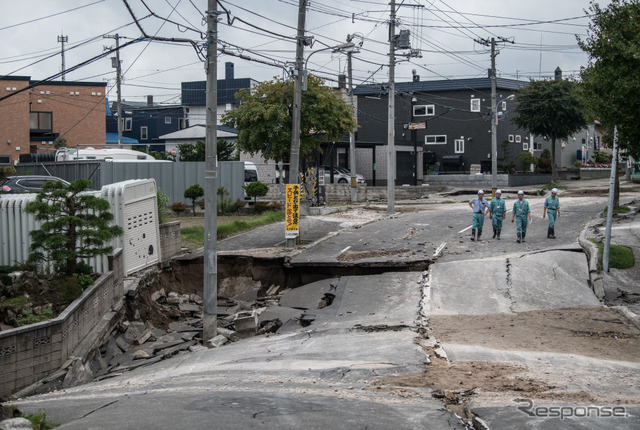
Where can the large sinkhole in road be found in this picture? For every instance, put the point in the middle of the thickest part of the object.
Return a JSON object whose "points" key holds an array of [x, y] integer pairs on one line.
{"points": [[248, 280]]}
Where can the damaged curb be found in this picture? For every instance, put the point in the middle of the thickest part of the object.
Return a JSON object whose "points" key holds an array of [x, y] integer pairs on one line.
{"points": [[596, 280]]}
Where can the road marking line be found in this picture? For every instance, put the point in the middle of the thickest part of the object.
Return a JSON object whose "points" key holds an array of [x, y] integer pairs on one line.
{"points": [[465, 229], [439, 249], [345, 250]]}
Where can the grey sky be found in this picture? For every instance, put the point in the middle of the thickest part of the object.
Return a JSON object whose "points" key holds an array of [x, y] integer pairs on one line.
{"points": [[158, 68]]}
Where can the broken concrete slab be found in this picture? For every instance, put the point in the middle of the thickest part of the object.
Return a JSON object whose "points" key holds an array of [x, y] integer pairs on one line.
{"points": [[229, 334], [278, 312], [308, 296], [158, 294], [143, 337], [250, 295], [245, 324], [122, 344], [140, 354], [217, 341], [77, 374], [191, 308]]}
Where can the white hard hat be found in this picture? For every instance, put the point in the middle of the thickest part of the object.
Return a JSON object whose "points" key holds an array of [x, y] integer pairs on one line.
{"points": [[498, 191], [554, 191], [480, 192], [521, 192]]}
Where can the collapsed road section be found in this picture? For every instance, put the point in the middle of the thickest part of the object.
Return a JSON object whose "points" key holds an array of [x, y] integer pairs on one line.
{"points": [[162, 316]]}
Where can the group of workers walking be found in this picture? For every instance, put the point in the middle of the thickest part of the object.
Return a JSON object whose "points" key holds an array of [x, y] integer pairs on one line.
{"points": [[497, 211]]}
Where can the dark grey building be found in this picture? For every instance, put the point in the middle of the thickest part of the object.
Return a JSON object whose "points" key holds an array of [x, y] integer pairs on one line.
{"points": [[456, 116]]}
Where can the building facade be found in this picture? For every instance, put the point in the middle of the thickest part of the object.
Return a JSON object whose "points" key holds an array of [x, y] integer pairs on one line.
{"points": [[33, 116]]}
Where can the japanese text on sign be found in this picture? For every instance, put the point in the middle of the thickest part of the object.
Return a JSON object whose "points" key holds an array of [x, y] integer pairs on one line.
{"points": [[292, 211]]}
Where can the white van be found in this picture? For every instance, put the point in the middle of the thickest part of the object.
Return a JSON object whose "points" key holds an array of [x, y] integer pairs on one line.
{"points": [[114, 154]]}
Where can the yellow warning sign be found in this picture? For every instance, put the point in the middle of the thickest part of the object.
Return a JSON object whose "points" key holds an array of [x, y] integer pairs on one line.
{"points": [[292, 212]]}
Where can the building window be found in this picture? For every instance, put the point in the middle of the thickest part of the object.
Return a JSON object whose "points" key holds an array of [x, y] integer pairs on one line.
{"points": [[144, 132], [128, 124], [41, 121], [424, 110], [518, 138], [537, 146], [475, 105], [511, 138], [167, 120], [525, 146], [435, 139], [459, 146]]}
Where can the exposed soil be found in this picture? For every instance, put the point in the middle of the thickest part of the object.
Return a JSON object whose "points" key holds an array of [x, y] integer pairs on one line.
{"points": [[359, 255], [588, 331]]}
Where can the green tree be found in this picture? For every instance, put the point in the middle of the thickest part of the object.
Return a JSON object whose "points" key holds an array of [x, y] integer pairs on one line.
{"points": [[194, 192], [75, 225], [552, 109], [526, 159], [256, 189], [192, 151], [60, 142], [611, 80], [263, 119], [226, 151]]}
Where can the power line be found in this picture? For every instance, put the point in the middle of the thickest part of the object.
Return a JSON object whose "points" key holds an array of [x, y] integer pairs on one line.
{"points": [[49, 16]]}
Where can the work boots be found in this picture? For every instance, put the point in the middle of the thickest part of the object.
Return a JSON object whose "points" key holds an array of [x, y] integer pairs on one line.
{"points": [[479, 234], [549, 233], [523, 235], [519, 238], [495, 233], [498, 233], [473, 234], [553, 233]]}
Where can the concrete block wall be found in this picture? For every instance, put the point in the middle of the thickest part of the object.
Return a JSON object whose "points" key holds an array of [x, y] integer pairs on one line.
{"points": [[170, 240], [594, 173], [30, 353]]}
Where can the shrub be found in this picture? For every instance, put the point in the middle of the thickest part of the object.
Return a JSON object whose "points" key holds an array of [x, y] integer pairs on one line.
{"points": [[544, 164], [178, 207], [6, 171], [526, 159], [602, 157], [256, 189], [193, 193], [162, 200]]}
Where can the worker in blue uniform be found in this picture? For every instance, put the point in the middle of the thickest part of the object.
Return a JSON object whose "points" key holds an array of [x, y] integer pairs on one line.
{"points": [[552, 208], [497, 212], [522, 213], [480, 209]]}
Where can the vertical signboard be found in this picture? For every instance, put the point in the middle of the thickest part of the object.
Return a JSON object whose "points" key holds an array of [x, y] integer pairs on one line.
{"points": [[292, 212]]}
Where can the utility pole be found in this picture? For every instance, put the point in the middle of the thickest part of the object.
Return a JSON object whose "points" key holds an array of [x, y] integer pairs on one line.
{"points": [[294, 157], [115, 63], [210, 287], [63, 39], [612, 185], [494, 122], [494, 110], [391, 150], [352, 134]]}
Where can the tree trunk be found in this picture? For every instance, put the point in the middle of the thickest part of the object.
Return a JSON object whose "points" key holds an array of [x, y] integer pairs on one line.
{"points": [[554, 174]]}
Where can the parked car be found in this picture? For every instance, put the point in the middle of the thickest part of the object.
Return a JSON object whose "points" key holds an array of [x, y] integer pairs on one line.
{"points": [[341, 175], [27, 184]]}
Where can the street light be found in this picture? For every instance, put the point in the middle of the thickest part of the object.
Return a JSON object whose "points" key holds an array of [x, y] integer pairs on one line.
{"points": [[347, 45]]}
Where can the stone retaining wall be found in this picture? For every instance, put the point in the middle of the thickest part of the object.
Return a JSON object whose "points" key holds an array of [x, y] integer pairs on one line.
{"points": [[170, 239], [342, 192], [29, 353]]}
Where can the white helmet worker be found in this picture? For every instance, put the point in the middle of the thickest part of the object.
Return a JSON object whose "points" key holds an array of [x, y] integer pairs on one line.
{"points": [[554, 191], [521, 192], [499, 192], [480, 192]]}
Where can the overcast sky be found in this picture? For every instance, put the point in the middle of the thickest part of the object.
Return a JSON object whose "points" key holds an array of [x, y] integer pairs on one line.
{"points": [[543, 31]]}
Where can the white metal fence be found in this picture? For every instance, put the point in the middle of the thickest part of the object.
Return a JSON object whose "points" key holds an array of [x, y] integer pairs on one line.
{"points": [[133, 204]]}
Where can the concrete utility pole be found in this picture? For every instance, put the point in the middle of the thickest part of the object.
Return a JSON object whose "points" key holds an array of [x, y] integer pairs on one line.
{"points": [[494, 110], [63, 39], [352, 134], [115, 63], [612, 185], [494, 122], [294, 158], [210, 287], [391, 150]]}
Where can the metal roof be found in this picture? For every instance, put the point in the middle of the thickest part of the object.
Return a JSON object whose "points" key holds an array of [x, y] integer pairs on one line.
{"points": [[472, 84]]}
